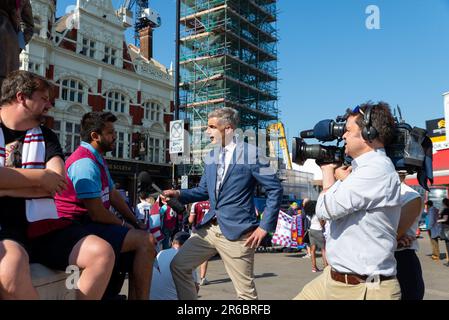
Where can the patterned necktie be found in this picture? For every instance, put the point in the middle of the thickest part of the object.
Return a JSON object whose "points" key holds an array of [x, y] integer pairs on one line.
{"points": [[220, 170]]}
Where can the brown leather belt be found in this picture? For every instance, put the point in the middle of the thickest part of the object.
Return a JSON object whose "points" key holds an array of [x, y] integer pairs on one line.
{"points": [[354, 279]]}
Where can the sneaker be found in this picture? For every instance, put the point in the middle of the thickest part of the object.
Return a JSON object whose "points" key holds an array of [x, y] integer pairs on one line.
{"points": [[315, 270], [435, 258], [307, 256], [204, 282]]}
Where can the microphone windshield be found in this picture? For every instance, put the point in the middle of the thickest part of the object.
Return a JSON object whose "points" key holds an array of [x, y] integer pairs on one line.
{"points": [[322, 130]]}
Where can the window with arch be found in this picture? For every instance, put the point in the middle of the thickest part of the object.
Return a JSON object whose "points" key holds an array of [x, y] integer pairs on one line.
{"points": [[153, 111], [72, 90], [116, 102]]}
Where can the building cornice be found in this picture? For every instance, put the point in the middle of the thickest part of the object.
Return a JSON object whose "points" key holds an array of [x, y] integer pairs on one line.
{"points": [[126, 73]]}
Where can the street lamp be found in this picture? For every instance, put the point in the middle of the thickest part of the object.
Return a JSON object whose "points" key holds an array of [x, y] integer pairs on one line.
{"points": [[177, 46], [177, 76]]}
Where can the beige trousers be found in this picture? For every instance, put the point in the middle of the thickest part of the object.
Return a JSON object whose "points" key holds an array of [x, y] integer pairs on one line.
{"points": [[325, 288], [435, 248], [204, 244]]}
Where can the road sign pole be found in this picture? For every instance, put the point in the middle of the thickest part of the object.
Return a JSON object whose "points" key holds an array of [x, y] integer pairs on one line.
{"points": [[176, 143]]}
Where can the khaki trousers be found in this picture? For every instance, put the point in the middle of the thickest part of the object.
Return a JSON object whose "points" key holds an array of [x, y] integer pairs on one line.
{"points": [[325, 288], [435, 248], [204, 244]]}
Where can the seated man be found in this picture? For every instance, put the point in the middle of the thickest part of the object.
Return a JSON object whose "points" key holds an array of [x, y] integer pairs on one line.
{"points": [[162, 285], [32, 171], [90, 194]]}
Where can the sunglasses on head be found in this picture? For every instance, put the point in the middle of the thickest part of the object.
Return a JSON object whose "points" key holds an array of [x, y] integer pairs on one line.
{"points": [[357, 109]]}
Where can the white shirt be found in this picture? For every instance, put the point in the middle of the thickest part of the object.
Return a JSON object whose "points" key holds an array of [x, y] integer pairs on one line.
{"points": [[162, 285], [229, 151], [142, 208], [364, 210], [315, 224], [407, 195]]}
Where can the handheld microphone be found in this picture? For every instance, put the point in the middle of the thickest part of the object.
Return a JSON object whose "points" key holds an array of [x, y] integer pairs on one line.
{"points": [[174, 203]]}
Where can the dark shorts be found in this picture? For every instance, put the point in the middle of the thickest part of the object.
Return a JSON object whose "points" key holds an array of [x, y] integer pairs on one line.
{"points": [[13, 234], [114, 235], [16, 236], [316, 238], [53, 249]]}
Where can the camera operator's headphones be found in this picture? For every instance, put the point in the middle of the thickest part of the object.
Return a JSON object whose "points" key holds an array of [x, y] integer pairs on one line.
{"points": [[369, 133]]}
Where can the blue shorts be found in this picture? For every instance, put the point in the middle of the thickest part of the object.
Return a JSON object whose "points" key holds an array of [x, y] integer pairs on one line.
{"points": [[53, 249], [112, 233]]}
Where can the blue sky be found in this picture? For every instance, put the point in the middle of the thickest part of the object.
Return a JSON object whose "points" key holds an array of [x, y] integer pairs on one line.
{"points": [[329, 60]]}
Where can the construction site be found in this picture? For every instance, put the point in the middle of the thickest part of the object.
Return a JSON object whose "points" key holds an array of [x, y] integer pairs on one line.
{"points": [[228, 58]]}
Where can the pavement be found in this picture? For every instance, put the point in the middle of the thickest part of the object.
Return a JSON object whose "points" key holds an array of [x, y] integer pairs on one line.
{"points": [[281, 275]]}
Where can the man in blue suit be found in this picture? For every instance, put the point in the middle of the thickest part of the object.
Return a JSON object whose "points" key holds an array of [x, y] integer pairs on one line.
{"points": [[230, 228]]}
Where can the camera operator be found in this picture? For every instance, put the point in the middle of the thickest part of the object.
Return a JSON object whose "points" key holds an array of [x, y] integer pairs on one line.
{"points": [[362, 203]]}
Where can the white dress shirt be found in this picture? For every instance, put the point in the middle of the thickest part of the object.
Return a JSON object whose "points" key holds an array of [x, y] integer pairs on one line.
{"points": [[407, 195], [364, 211], [229, 152]]}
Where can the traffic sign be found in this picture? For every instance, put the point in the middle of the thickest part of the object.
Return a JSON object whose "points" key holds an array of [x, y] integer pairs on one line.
{"points": [[177, 136]]}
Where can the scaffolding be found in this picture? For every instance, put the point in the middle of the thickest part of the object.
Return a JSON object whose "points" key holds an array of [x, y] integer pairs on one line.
{"points": [[228, 58]]}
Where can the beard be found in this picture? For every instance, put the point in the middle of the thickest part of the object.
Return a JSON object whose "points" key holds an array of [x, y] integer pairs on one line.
{"points": [[107, 146]]}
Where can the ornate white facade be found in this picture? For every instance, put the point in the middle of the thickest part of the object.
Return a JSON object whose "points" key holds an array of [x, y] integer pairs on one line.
{"points": [[85, 54]]}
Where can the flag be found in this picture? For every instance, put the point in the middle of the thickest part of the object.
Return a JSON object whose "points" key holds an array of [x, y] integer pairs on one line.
{"points": [[283, 234], [289, 231]]}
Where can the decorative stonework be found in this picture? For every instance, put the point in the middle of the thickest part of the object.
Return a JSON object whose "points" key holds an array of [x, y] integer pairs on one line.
{"points": [[124, 119], [147, 69], [77, 109], [110, 86], [61, 73], [102, 9]]}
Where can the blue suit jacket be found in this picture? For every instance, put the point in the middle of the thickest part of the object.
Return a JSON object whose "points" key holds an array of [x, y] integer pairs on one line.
{"points": [[234, 206]]}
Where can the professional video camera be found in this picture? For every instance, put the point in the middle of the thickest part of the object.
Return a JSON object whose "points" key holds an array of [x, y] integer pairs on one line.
{"points": [[325, 130], [410, 150]]}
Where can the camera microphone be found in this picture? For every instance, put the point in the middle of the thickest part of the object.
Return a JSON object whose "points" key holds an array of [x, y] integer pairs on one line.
{"points": [[325, 130], [306, 134]]}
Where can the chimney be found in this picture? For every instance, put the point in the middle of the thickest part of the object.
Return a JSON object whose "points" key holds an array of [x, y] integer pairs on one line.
{"points": [[146, 42]]}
